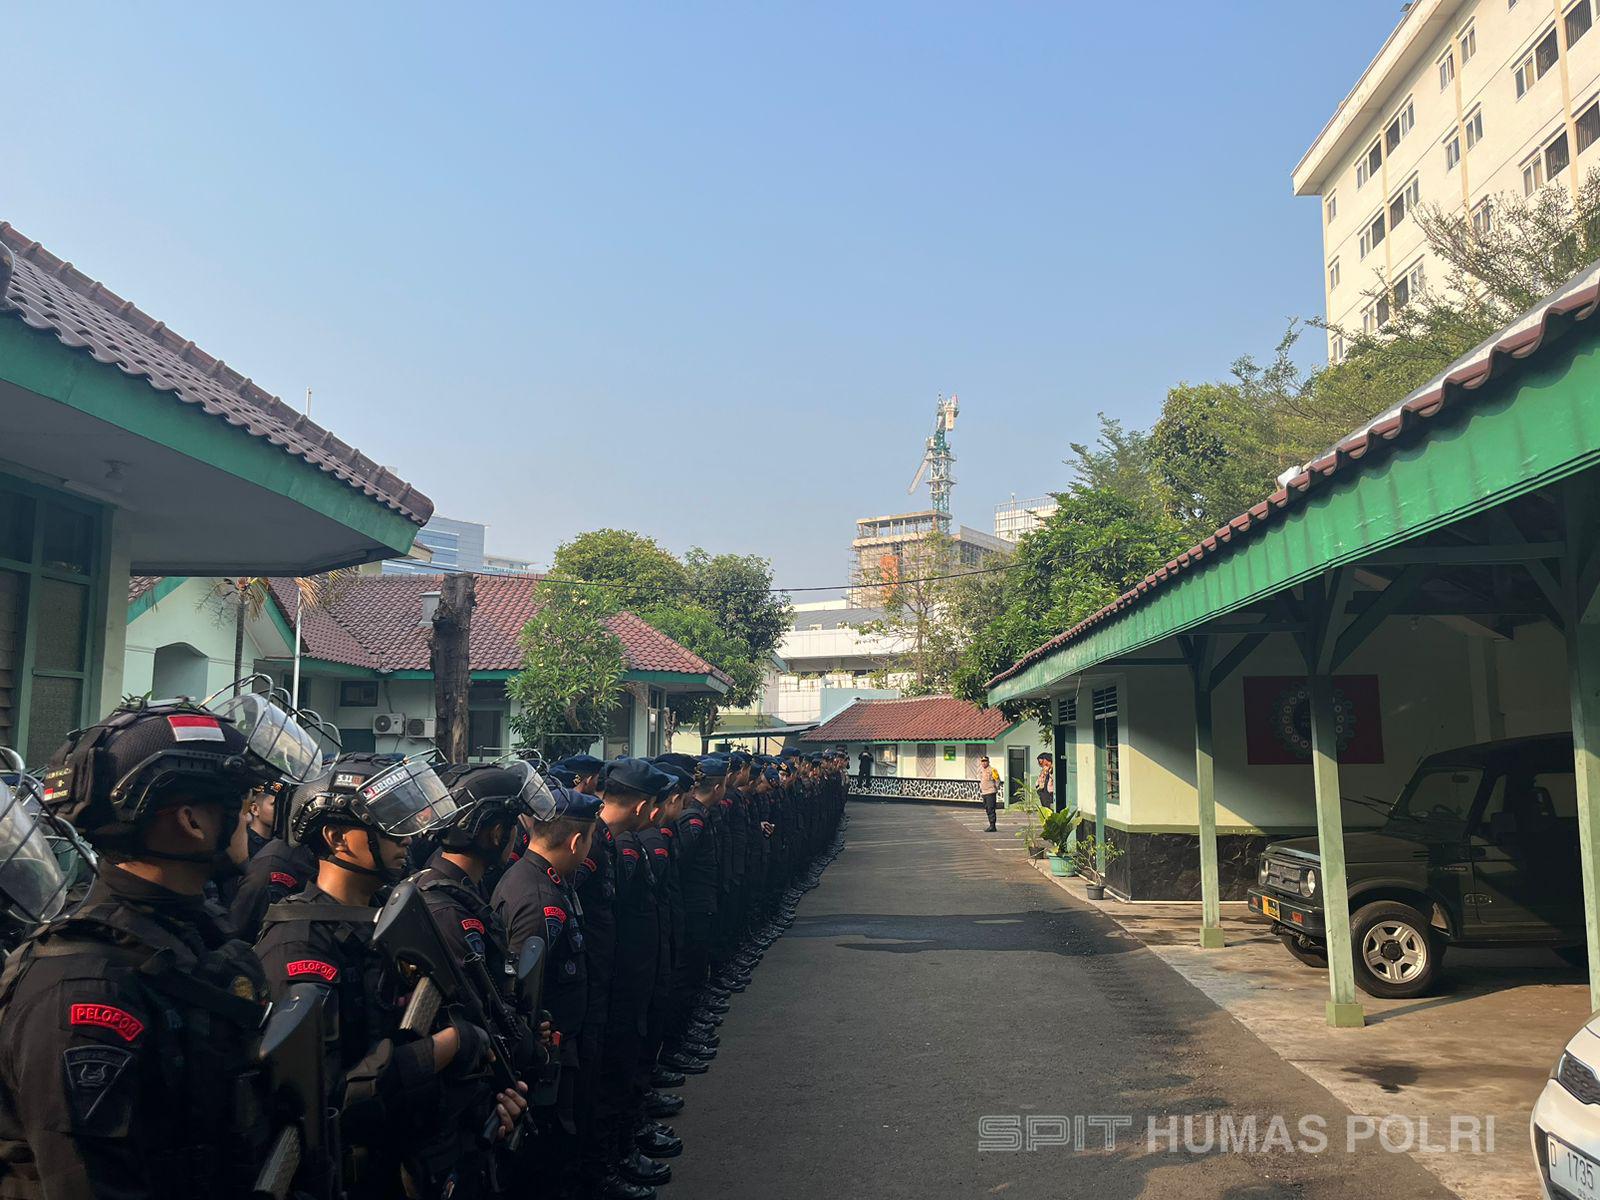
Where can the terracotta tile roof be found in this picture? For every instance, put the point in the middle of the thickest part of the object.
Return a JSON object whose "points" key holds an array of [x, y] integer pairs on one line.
{"points": [[1405, 424], [138, 585], [916, 719], [55, 296], [374, 624]]}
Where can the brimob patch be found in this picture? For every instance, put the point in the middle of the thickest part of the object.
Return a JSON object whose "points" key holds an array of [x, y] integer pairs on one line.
{"points": [[91, 1072]]}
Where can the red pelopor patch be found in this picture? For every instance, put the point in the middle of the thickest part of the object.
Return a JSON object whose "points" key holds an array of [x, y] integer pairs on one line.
{"points": [[555, 914], [105, 1016], [660, 851], [326, 972], [472, 925], [284, 879], [668, 831], [697, 823], [630, 853]]}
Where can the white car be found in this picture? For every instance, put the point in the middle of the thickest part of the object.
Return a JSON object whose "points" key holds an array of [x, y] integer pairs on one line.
{"points": [[1566, 1120]]}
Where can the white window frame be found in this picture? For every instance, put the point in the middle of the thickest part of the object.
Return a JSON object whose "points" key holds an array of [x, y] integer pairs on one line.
{"points": [[1331, 206], [1533, 172], [1467, 42], [1336, 348], [1524, 76], [1333, 275], [1483, 216], [1452, 151], [1403, 122], [1447, 68], [1474, 127], [1566, 13]]}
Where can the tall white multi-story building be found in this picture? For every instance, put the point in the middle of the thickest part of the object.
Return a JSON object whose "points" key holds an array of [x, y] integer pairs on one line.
{"points": [[1017, 517], [1465, 101]]}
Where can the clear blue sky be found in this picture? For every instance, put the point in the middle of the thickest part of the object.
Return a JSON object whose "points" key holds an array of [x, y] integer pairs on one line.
{"points": [[697, 270]]}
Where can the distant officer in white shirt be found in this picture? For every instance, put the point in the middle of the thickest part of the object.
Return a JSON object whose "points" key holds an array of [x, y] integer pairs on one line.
{"points": [[988, 789]]}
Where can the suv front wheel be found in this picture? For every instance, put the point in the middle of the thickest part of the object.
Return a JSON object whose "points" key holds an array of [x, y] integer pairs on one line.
{"points": [[1397, 953]]}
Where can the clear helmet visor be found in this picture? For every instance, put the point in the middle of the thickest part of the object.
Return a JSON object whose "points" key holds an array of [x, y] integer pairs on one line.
{"points": [[408, 798], [534, 797], [36, 868], [274, 734]]}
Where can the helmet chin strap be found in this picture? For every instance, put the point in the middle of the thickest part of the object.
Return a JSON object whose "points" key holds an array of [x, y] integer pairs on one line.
{"points": [[381, 873]]}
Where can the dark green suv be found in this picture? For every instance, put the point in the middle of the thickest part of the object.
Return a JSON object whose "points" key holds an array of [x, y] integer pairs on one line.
{"points": [[1481, 850]]}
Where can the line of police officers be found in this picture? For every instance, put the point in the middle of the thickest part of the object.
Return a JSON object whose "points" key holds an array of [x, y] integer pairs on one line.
{"points": [[136, 1052]]}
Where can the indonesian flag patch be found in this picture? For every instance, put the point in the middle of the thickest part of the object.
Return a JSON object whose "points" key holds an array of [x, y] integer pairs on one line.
{"points": [[189, 727]]}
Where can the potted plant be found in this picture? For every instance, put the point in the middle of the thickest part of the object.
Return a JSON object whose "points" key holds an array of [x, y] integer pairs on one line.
{"points": [[1032, 829], [1085, 855], [1060, 829]]}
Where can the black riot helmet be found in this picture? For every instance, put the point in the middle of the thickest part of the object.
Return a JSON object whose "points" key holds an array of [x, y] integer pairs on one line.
{"points": [[111, 776], [485, 794], [381, 793]]}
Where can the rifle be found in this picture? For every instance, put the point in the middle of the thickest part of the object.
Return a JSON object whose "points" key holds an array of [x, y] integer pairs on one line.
{"points": [[292, 1053], [408, 935]]}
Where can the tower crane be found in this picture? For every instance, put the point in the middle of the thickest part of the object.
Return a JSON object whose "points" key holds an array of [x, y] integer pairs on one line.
{"points": [[937, 459]]}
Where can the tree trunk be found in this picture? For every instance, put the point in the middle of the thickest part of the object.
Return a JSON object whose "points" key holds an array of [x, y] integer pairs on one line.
{"points": [[449, 658], [241, 586]]}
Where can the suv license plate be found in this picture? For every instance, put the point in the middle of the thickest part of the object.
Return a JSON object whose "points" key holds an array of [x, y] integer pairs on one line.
{"points": [[1269, 907], [1573, 1172]]}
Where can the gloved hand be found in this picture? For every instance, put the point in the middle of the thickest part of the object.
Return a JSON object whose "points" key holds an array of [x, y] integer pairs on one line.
{"points": [[475, 1047]]}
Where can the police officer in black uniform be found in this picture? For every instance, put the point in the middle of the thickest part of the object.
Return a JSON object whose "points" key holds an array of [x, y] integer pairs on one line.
{"points": [[128, 1028], [357, 817], [535, 897], [491, 800]]}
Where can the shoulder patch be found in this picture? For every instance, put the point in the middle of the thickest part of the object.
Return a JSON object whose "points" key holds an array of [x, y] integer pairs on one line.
{"points": [[472, 925], [696, 823], [591, 864], [91, 1072], [107, 1016], [660, 852], [284, 879], [313, 967], [629, 852], [555, 913], [668, 831]]}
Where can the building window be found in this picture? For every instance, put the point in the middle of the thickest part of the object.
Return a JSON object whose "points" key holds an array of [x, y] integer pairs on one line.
{"points": [[1108, 767], [1447, 69], [1578, 19], [1408, 287], [1546, 53], [1557, 158], [1332, 206], [1452, 151], [1467, 39], [358, 693], [1474, 124], [1336, 348], [50, 592], [1333, 275], [1372, 235], [1588, 126], [1369, 166], [1483, 217], [1399, 127], [1533, 174], [1524, 76], [1375, 315], [1404, 201]]}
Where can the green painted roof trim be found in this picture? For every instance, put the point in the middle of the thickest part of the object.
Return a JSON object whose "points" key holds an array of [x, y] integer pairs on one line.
{"points": [[35, 360], [709, 682], [154, 595], [1538, 425]]}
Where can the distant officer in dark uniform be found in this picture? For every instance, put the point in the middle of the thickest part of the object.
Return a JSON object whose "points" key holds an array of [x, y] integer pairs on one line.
{"points": [[128, 1028], [698, 877], [585, 770], [275, 872], [535, 896], [657, 1141], [628, 791], [388, 1087], [491, 800]]}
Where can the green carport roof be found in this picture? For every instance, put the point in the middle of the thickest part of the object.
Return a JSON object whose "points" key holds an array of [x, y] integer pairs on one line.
{"points": [[1518, 412]]}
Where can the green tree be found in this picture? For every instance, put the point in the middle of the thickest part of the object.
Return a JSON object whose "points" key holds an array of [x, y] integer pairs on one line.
{"points": [[571, 677], [1094, 547], [635, 571]]}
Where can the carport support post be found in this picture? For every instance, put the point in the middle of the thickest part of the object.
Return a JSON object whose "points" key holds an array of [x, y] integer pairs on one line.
{"points": [[1205, 783], [1580, 575], [1325, 600]]}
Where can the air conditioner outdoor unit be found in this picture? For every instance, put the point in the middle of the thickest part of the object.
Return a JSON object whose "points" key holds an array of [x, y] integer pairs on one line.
{"points": [[390, 723], [420, 728]]}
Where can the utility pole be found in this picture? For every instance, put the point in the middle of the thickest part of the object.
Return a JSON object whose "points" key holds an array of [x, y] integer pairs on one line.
{"points": [[448, 656]]}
